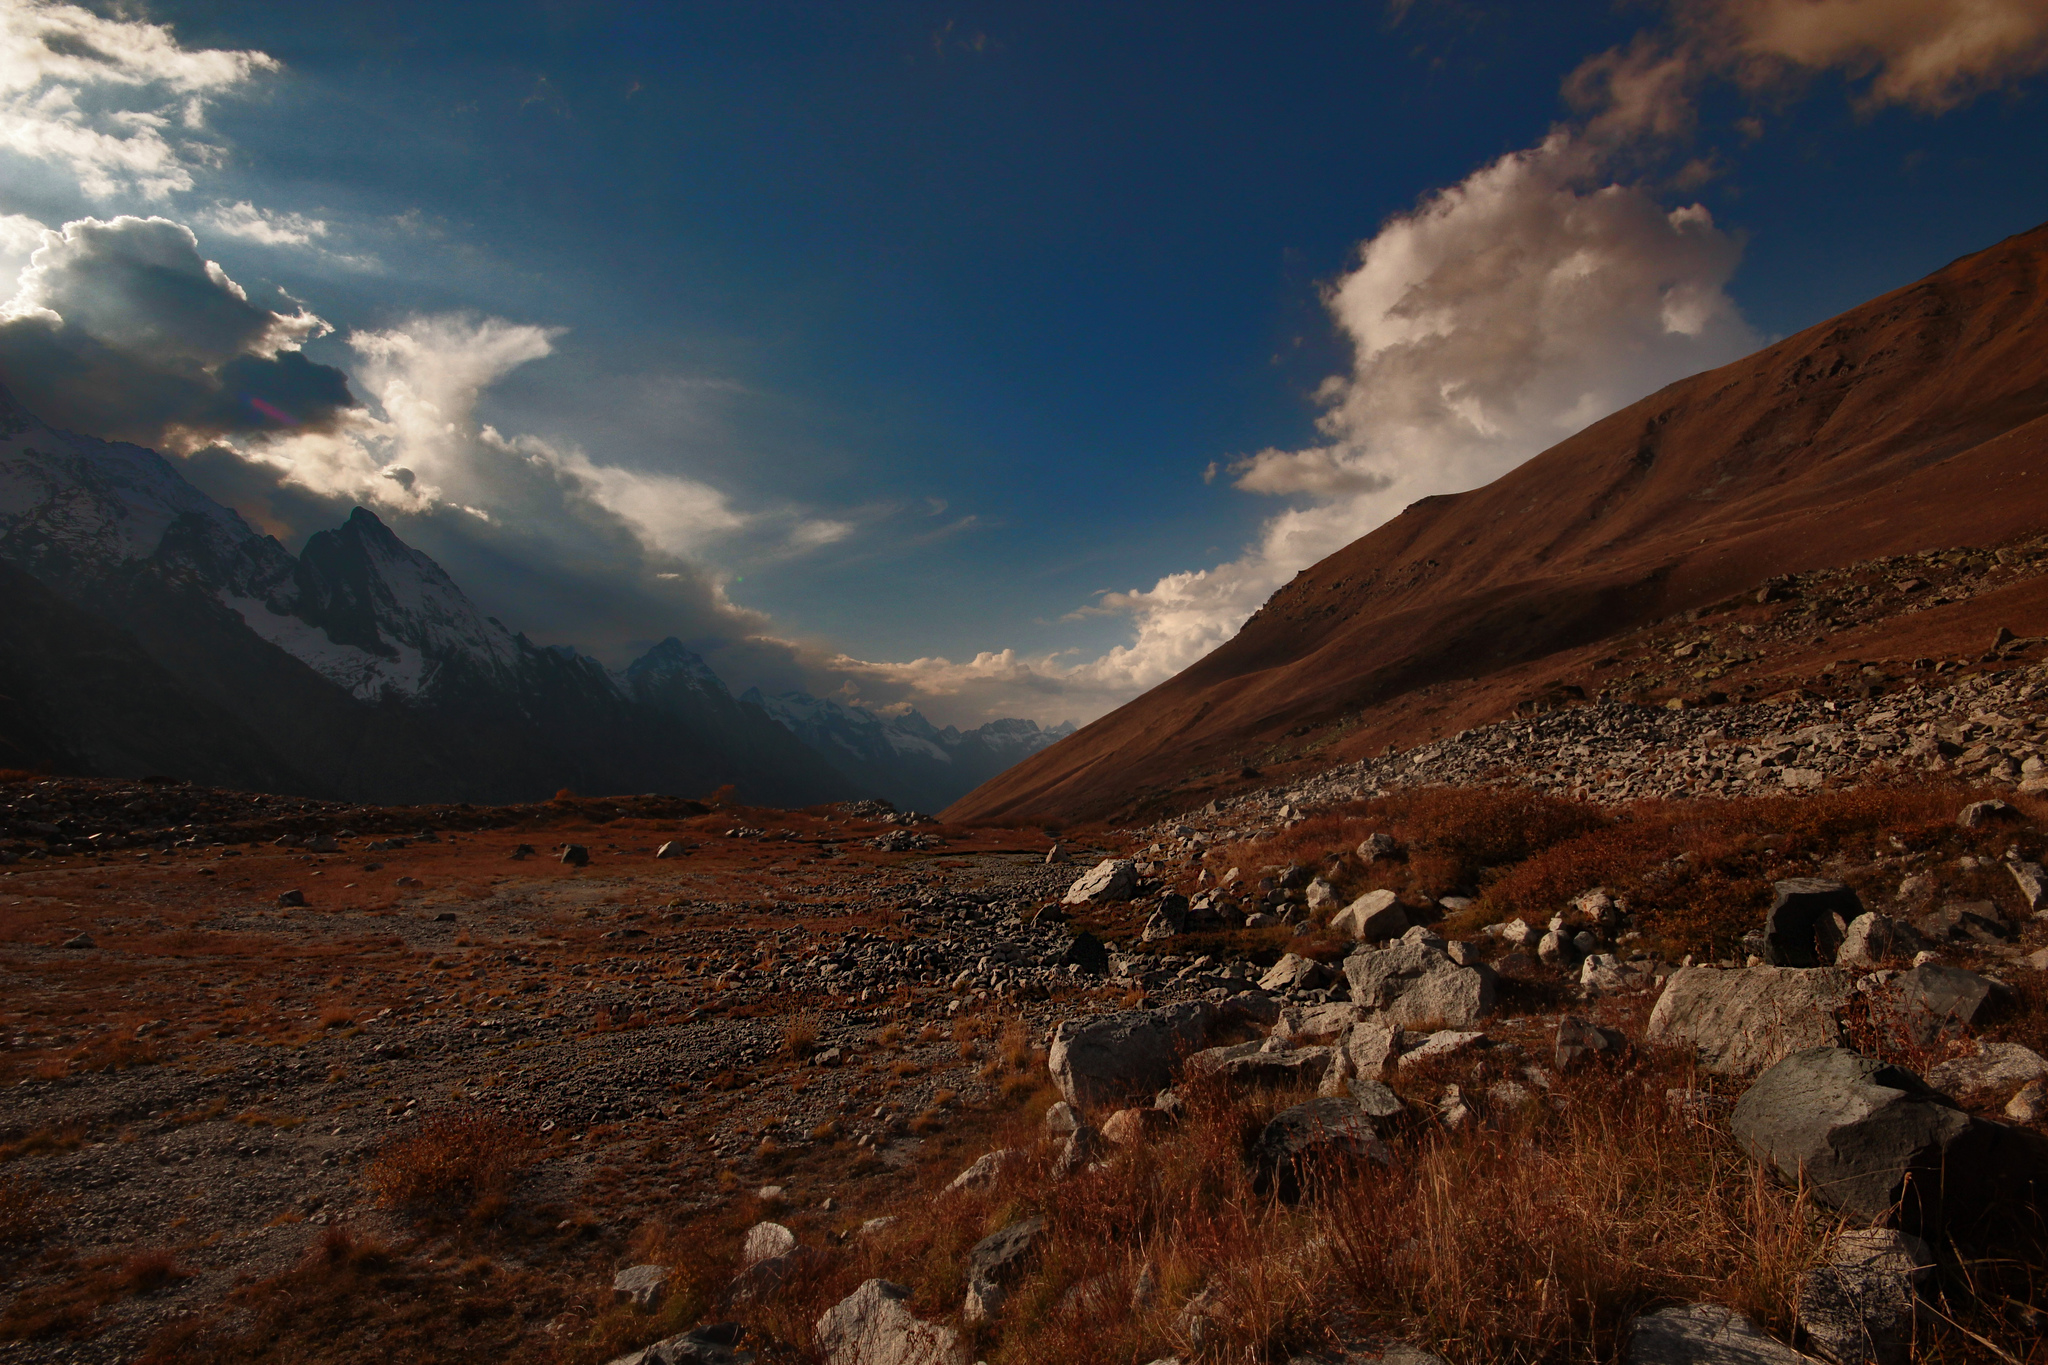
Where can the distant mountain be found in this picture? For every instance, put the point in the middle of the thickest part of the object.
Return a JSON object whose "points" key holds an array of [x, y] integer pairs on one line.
{"points": [[149, 628], [905, 757], [1918, 419]]}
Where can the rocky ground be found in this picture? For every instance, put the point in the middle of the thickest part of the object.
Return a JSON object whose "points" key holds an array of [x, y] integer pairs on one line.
{"points": [[224, 1014]]}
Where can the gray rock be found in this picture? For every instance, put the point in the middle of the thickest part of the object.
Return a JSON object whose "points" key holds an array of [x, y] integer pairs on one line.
{"points": [[1320, 894], [1703, 1334], [643, 1286], [1980, 813], [986, 1169], [871, 1326], [1579, 1043], [712, 1344], [672, 849], [1857, 1305], [1367, 1049], [1415, 982], [1086, 951], [80, 941], [1294, 972], [576, 855], [1556, 949], [1933, 997], [1254, 1063], [1100, 1061], [1375, 847], [1866, 1138], [1442, 1044], [1807, 920], [2033, 885], [1872, 937], [1302, 1024], [1372, 917], [1061, 1119], [1112, 879], [1992, 1076], [1740, 1020], [2030, 1105], [1963, 922], [290, 899], [1330, 1130], [999, 1256]]}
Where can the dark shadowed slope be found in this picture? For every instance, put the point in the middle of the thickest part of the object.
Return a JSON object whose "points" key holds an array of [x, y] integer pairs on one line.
{"points": [[1919, 419]]}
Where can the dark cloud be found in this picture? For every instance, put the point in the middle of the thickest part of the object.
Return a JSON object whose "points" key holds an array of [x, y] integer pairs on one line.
{"points": [[125, 330]]}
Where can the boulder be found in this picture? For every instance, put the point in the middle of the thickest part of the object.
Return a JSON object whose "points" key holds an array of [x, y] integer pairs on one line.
{"points": [[1442, 1044], [2033, 885], [766, 1241], [1996, 1073], [986, 1169], [1131, 1127], [1739, 1020], [1415, 982], [1556, 949], [999, 1256], [1328, 1131], [1934, 997], [1375, 847], [1883, 1147], [1964, 922], [643, 1286], [1258, 1063], [1579, 1043], [1857, 1305], [1294, 972], [1112, 879], [1703, 1334], [871, 1326], [1087, 952], [1366, 1049], [711, 1344], [1807, 920], [1372, 917], [290, 899], [1300, 1024], [1102, 1060], [576, 855], [2030, 1105], [1980, 813], [1061, 1119], [1320, 894], [1871, 938], [672, 849]]}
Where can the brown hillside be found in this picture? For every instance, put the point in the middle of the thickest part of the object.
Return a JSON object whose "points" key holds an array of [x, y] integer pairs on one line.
{"points": [[1917, 420]]}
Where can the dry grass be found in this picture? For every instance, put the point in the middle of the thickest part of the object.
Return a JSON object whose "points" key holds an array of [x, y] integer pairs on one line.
{"points": [[800, 1036], [454, 1160]]}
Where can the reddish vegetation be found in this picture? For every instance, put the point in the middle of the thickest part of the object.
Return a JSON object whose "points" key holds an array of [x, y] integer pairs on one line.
{"points": [[1917, 419]]}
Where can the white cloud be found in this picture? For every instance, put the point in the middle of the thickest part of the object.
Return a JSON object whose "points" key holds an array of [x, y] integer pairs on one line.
{"points": [[245, 220], [118, 102], [1494, 320]]}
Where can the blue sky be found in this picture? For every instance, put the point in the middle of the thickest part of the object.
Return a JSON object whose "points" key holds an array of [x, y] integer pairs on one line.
{"points": [[885, 349]]}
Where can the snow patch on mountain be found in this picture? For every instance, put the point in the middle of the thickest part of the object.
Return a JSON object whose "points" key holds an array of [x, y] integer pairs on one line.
{"points": [[365, 675]]}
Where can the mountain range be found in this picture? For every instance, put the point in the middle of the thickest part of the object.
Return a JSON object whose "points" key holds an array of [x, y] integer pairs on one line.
{"points": [[1915, 421], [920, 764], [151, 630]]}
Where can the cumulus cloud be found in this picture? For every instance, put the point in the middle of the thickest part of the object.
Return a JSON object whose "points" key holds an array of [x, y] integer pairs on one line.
{"points": [[119, 103], [1492, 321], [124, 328]]}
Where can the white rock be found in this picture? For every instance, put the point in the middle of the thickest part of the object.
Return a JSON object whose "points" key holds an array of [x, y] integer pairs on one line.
{"points": [[766, 1241], [871, 1326], [1374, 916], [987, 1169], [1112, 879], [1995, 1074], [643, 1286]]}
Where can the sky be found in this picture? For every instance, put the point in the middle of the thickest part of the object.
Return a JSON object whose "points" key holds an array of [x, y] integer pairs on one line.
{"points": [[994, 359]]}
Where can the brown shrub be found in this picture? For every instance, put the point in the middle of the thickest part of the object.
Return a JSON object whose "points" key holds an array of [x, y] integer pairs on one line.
{"points": [[452, 1160]]}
